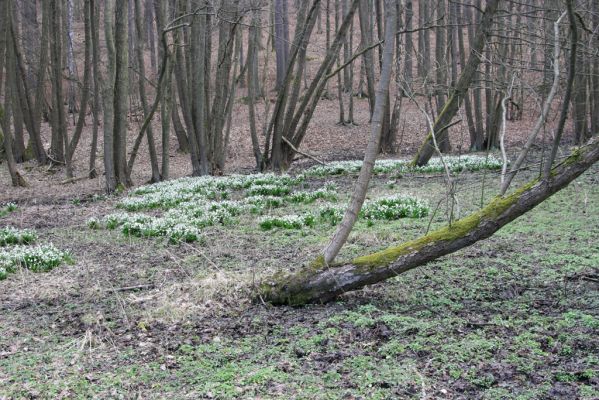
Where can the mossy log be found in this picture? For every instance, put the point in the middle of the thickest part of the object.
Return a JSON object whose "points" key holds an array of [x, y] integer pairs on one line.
{"points": [[316, 282]]}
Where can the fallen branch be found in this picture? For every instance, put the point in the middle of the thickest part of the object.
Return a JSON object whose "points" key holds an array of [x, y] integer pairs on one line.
{"points": [[77, 178], [132, 288], [301, 152]]}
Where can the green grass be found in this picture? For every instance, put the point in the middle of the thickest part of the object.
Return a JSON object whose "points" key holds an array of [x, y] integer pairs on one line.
{"points": [[513, 317]]}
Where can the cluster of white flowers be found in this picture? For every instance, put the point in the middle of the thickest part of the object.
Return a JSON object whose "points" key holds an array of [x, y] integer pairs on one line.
{"points": [[10, 235], [394, 207], [181, 223], [331, 213], [259, 202], [287, 221], [326, 193], [10, 206], [269, 190], [170, 194], [183, 233], [462, 163], [454, 163], [39, 258]]}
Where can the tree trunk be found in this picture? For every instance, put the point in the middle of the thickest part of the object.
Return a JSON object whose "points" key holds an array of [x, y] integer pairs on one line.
{"points": [[461, 89], [15, 177], [252, 60], [121, 92], [367, 58], [281, 40], [87, 66], [94, 12], [382, 97], [409, 45], [142, 91], [71, 67], [59, 128], [108, 98], [477, 101], [32, 111], [595, 75], [320, 283]]}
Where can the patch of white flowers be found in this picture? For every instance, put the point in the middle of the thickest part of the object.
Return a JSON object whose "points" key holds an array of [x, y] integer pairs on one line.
{"points": [[455, 164], [326, 193], [178, 224], [287, 221], [40, 258], [10, 235], [394, 207]]}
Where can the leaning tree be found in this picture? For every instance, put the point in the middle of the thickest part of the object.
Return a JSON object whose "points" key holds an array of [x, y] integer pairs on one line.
{"points": [[324, 279]]}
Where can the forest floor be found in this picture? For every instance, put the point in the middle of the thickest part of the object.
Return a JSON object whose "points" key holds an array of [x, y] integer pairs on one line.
{"points": [[514, 316]]}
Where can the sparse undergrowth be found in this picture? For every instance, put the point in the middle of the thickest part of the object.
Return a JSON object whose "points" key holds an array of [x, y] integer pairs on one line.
{"points": [[513, 317], [7, 209]]}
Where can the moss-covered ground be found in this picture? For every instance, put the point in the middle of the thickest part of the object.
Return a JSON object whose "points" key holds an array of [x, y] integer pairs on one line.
{"points": [[512, 317]]}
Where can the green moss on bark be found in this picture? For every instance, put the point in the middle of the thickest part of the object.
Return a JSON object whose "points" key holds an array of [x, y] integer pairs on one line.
{"points": [[456, 230]]}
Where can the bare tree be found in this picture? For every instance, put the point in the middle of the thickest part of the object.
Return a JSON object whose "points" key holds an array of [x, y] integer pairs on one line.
{"points": [[361, 187]]}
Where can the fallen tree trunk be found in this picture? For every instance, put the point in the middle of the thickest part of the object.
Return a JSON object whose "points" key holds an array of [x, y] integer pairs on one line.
{"points": [[316, 283]]}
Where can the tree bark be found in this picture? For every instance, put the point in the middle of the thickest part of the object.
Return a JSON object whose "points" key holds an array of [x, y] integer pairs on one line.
{"points": [[281, 40], [382, 97], [318, 283], [141, 65], [108, 98], [87, 66], [121, 92], [15, 176], [59, 128], [94, 11]]}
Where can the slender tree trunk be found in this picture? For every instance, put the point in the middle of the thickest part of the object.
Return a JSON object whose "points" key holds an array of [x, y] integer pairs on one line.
{"points": [[59, 129], [281, 40], [151, 34], [94, 17], [121, 92], [409, 45], [477, 91], [382, 94], [108, 98], [339, 80], [320, 282], [71, 67], [458, 35], [441, 70], [165, 111], [15, 177], [367, 58], [142, 91], [31, 37], [595, 74], [313, 94], [579, 100], [569, 86], [252, 60], [87, 71]]}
